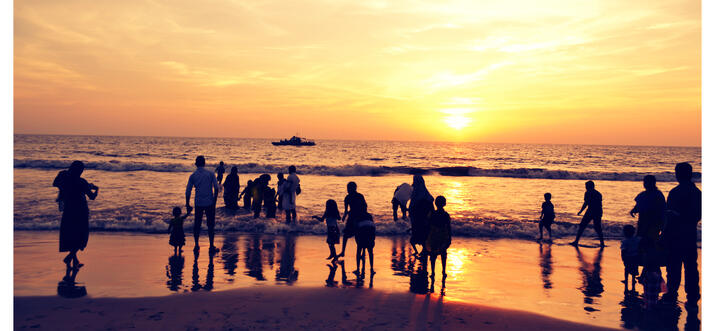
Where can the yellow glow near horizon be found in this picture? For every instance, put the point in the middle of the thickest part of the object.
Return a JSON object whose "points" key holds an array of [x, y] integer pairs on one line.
{"points": [[546, 72]]}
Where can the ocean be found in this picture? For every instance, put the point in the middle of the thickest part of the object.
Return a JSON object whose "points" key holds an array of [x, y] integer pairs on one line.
{"points": [[492, 190]]}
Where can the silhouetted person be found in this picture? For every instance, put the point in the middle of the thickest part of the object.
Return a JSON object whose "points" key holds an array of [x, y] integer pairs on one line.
{"points": [[257, 195], [269, 199], [219, 172], [247, 195], [547, 216], [291, 188], [230, 189], [205, 200], [421, 207], [331, 215], [650, 207], [399, 199], [176, 229], [630, 255], [365, 239], [355, 208], [174, 272], [279, 189], [440, 235], [74, 226], [593, 200], [681, 235]]}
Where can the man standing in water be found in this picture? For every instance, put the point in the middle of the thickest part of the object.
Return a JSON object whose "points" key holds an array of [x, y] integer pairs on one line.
{"points": [[681, 236], [593, 200], [205, 200], [291, 188]]}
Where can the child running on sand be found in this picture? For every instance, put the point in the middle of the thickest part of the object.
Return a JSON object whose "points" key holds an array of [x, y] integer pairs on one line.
{"points": [[331, 217], [547, 216], [440, 235], [630, 255], [365, 239], [176, 229]]}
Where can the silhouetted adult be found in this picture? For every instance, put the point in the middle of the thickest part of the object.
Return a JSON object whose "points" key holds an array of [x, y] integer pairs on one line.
{"points": [[205, 200], [74, 226], [593, 200], [650, 207], [684, 210], [399, 199], [291, 188], [279, 189], [421, 208], [355, 209], [231, 187], [219, 172]]}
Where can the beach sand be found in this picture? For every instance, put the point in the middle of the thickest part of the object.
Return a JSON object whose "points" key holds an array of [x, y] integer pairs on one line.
{"points": [[124, 272], [276, 308]]}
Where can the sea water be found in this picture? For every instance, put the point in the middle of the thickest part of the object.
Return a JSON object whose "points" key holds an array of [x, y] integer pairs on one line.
{"points": [[492, 190]]}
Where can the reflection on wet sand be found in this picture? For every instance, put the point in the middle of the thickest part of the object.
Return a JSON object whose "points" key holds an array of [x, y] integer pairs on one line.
{"points": [[592, 286], [174, 272], [546, 264], [68, 287], [254, 257], [229, 255], [404, 263], [286, 270], [195, 282]]}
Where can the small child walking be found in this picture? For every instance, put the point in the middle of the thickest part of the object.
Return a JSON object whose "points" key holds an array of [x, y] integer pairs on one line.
{"points": [[176, 229], [439, 237], [630, 255], [331, 217], [547, 216]]}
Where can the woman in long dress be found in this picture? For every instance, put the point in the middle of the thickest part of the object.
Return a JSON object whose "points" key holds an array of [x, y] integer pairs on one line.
{"points": [[74, 226], [231, 187], [421, 208]]}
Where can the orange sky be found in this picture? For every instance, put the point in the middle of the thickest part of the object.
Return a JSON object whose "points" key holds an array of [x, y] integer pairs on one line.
{"points": [[596, 72]]}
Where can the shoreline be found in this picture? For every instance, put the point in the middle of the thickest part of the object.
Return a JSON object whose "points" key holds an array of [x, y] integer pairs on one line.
{"points": [[272, 308]]}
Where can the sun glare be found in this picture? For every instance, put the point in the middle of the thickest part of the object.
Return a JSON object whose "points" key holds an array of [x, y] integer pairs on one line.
{"points": [[455, 117]]}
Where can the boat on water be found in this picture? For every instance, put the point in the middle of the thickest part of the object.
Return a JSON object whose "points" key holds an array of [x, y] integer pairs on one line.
{"points": [[294, 141]]}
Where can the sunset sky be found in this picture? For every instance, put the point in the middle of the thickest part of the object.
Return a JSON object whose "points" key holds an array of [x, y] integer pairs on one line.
{"points": [[595, 72]]}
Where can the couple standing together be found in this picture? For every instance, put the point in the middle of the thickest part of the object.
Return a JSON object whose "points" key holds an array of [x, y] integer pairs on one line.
{"points": [[207, 188]]}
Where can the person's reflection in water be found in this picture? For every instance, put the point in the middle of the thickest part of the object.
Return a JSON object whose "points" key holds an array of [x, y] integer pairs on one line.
{"points": [[632, 310], [330, 281], [419, 280], [210, 274], [546, 264], [174, 272], [286, 270], [399, 257], [254, 263], [592, 285], [195, 285], [68, 287], [229, 255]]}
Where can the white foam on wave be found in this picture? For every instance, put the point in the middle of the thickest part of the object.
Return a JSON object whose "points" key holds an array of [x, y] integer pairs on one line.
{"points": [[358, 170]]}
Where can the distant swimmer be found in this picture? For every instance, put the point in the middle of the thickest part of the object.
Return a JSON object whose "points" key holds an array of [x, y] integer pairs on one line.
{"points": [[399, 199], [594, 201]]}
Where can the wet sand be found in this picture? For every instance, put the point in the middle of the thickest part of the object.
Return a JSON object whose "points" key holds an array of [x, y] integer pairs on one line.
{"points": [[553, 280], [276, 308]]}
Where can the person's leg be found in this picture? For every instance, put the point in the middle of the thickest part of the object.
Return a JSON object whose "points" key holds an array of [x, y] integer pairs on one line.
{"points": [[444, 264], [332, 251], [372, 269], [210, 222], [198, 217], [548, 229], [345, 240], [403, 207], [692, 278], [597, 227], [541, 229], [295, 214], [287, 216], [395, 204], [673, 269], [582, 226], [433, 259], [357, 259]]}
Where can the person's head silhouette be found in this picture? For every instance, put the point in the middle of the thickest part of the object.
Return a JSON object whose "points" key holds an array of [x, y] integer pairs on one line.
{"points": [[590, 185], [176, 211], [200, 161], [280, 176], [683, 172], [649, 182], [440, 202], [76, 168], [352, 187], [291, 169], [234, 170], [547, 196]]}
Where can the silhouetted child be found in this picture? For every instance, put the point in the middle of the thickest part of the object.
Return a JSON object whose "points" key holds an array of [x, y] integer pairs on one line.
{"points": [[331, 217], [279, 189], [176, 229], [630, 255], [440, 235], [547, 216], [219, 172], [269, 202], [365, 239], [653, 284], [246, 193]]}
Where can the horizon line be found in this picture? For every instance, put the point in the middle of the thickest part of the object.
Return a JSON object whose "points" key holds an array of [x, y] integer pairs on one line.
{"points": [[334, 139]]}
